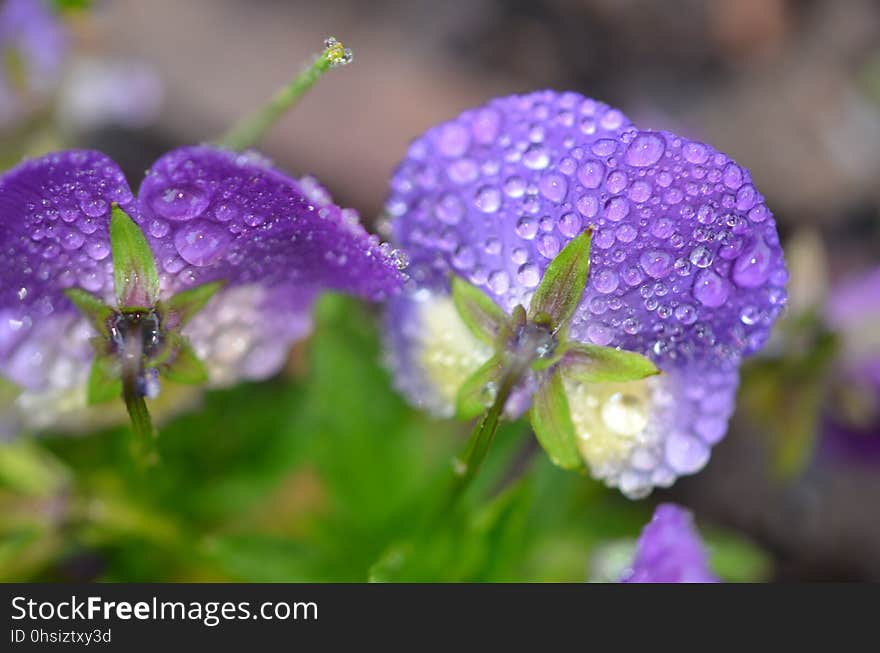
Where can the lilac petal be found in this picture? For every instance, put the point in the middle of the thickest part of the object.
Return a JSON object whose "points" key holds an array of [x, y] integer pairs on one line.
{"points": [[54, 221], [212, 214], [670, 550], [686, 259], [33, 33]]}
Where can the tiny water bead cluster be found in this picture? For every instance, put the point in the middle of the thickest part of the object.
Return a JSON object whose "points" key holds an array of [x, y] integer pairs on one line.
{"points": [[208, 218], [685, 268]]}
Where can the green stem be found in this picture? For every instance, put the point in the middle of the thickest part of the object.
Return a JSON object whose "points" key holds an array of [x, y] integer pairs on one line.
{"points": [[250, 131], [468, 464], [144, 442]]}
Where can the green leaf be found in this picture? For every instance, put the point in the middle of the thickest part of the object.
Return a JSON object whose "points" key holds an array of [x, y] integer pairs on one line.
{"points": [[91, 307], [471, 399], [185, 366], [481, 315], [185, 304], [105, 383], [564, 281], [551, 421], [134, 269], [595, 364]]}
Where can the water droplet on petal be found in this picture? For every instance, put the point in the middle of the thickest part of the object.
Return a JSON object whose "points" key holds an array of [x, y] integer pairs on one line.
{"points": [[179, 203], [553, 186], [656, 263], [488, 199], [201, 243], [645, 150], [591, 173], [710, 289], [752, 267]]}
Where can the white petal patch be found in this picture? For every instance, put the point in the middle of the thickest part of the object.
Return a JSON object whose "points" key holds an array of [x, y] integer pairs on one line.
{"points": [[643, 434], [441, 352], [237, 338]]}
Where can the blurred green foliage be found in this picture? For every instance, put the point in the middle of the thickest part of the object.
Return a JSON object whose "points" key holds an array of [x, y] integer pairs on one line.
{"points": [[325, 476]]}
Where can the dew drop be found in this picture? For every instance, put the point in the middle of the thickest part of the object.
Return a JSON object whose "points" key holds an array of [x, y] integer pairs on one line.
{"points": [[201, 243], [536, 158], [701, 257], [645, 150], [605, 281], [752, 267], [591, 173], [488, 199], [710, 289], [179, 203], [553, 186], [453, 140], [528, 275], [656, 263]]}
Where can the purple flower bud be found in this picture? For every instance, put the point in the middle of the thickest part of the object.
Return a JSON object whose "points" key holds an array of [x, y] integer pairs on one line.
{"points": [[686, 268], [670, 551], [33, 45], [208, 215]]}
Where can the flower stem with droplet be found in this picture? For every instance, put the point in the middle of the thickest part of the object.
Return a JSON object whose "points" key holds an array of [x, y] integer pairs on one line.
{"points": [[468, 464], [250, 131]]}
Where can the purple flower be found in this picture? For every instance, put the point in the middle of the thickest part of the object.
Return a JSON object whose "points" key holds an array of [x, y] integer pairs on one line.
{"points": [[686, 268], [669, 550], [208, 215], [33, 45], [851, 429]]}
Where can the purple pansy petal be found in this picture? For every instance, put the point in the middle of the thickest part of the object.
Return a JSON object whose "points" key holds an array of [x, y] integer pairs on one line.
{"points": [[685, 259], [213, 214], [54, 220], [30, 30], [669, 550]]}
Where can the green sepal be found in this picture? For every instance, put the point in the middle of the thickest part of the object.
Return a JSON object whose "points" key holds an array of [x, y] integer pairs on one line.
{"points": [[564, 281], [483, 317], [91, 307], [551, 420], [105, 382], [471, 399], [134, 268], [596, 364], [184, 305], [184, 365]]}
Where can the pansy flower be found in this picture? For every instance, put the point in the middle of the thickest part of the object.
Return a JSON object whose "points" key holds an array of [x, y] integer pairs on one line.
{"points": [[670, 550], [851, 424], [685, 268], [206, 275], [33, 44]]}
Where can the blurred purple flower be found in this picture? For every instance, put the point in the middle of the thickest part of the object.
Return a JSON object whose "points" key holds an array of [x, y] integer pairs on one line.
{"points": [[111, 92], [669, 550], [686, 268], [851, 431], [33, 45], [208, 215]]}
